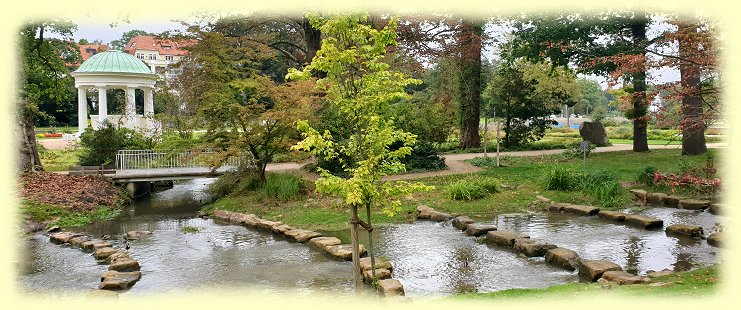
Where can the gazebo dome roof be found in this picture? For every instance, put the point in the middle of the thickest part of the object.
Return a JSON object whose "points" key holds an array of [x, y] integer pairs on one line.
{"points": [[113, 61]]}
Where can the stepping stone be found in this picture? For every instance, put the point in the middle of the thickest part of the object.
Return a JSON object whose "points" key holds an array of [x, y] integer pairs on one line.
{"points": [[715, 208], [461, 222], [222, 215], [302, 235], [124, 264], [655, 198], [693, 204], [114, 280], [440, 216], [424, 212], [104, 244], [558, 206], [103, 253], [91, 244], [266, 224], [478, 230], [344, 251], [562, 258], [390, 287], [77, 241], [592, 270], [320, 243], [504, 237], [621, 277], [380, 274], [136, 234], [612, 215], [581, 210], [671, 201], [282, 228], [715, 239], [643, 221], [531, 247], [116, 255], [655, 274], [381, 263], [543, 199], [63, 237], [639, 193], [685, 230]]}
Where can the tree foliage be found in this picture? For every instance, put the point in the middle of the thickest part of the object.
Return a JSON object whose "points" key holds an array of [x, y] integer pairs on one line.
{"points": [[120, 44]]}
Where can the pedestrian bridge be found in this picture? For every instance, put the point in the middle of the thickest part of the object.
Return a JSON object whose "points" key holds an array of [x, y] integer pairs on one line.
{"points": [[152, 165]]}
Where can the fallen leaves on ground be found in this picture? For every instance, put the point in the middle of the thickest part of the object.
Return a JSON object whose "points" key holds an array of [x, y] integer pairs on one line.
{"points": [[79, 193]]}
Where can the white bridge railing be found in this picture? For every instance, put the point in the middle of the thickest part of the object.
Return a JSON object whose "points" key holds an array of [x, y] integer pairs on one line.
{"points": [[151, 159]]}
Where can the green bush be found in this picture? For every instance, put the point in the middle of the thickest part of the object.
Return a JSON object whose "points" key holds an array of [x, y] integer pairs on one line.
{"points": [[282, 186], [423, 158], [562, 178], [100, 146], [472, 189], [601, 185], [238, 182], [646, 176]]}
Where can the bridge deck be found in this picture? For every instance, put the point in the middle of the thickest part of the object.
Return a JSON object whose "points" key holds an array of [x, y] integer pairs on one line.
{"points": [[157, 174]]}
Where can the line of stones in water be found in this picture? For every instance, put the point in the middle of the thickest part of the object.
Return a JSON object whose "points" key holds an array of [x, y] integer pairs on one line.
{"points": [[330, 246], [123, 271], [635, 220], [591, 270]]}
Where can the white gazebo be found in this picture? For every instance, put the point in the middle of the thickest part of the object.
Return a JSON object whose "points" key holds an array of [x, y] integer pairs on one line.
{"points": [[110, 70]]}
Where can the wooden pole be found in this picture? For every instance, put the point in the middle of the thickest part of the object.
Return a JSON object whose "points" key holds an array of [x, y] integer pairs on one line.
{"points": [[497, 143], [486, 136], [355, 247]]}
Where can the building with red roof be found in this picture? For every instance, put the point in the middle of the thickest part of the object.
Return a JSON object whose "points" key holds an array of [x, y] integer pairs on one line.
{"points": [[158, 54], [88, 50]]}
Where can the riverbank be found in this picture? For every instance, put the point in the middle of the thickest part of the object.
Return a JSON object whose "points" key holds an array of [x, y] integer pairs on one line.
{"points": [[699, 282], [519, 180], [51, 199]]}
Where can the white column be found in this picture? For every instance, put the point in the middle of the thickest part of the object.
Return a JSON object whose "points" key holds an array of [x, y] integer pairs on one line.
{"points": [[130, 111], [81, 109], [148, 102], [102, 105]]}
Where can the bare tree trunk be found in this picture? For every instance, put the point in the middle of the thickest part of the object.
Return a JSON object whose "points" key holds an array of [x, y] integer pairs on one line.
{"points": [[640, 104], [28, 152], [693, 127], [469, 88]]}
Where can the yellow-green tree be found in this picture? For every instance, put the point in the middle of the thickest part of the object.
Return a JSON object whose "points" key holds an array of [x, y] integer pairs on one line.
{"points": [[360, 85]]}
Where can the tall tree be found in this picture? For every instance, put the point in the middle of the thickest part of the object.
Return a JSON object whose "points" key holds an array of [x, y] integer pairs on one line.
{"points": [[44, 79], [469, 89], [120, 44], [591, 96], [362, 88], [612, 44]]}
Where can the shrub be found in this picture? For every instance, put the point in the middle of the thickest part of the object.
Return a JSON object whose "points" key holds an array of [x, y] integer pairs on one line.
{"points": [[601, 185], [562, 178], [472, 189], [282, 186], [100, 146], [424, 158], [238, 182], [646, 176]]}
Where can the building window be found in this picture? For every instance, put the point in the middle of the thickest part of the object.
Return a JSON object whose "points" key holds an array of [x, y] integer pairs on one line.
{"points": [[166, 47], [133, 44], [168, 57], [152, 56], [91, 51], [140, 55]]}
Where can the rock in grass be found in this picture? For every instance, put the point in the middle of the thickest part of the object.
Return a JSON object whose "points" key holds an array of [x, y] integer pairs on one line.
{"points": [[344, 251], [557, 206], [656, 198], [504, 237], [562, 258], [621, 277], [543, 199], [592, 270], [685, 230], [390, 287], [103, 253], [715, 239], [380, 274], [461, 222], [282, 228], [655, 274], [639, 193], [302, 235], [381, 263], [222, 215], [671, 201], [531, 247], [581, 210], [320, 243], [124, 264], [424, 212], [478, 230], [643, 221], [612, 215], [693, 204], [715, 208]]}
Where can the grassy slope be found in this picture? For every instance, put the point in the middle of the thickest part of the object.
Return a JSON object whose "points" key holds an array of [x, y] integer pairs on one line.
{"points": [[699, 282], [322, 213]]}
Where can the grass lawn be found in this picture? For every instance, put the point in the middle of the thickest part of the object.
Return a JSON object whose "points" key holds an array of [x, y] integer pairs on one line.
{"points": [[521, 175], [650, 142], [699, 282], [66, 217], [59, 160]]}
